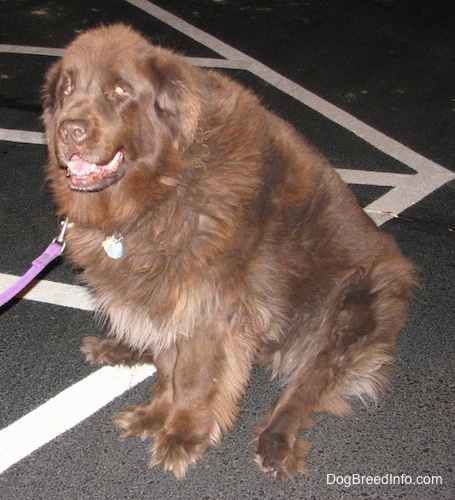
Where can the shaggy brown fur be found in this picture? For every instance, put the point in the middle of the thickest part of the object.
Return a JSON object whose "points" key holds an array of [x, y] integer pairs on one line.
{"points": [[241, 245]]}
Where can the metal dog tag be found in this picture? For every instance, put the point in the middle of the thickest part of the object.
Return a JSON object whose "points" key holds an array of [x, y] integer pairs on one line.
{"points": [[113, 246]]}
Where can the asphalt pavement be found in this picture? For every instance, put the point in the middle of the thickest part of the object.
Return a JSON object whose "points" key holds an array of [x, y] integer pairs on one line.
{"points": [[371, 84]]}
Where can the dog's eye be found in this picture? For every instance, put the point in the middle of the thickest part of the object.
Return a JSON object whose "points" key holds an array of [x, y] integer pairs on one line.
{"points": [[118, 94], [119, 91], [67, 89]]}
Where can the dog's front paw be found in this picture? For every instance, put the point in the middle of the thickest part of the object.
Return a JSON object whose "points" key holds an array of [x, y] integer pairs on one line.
{"points": [[98, 350], [177, 451], [184, 439], [143, 421], [278, 459]]}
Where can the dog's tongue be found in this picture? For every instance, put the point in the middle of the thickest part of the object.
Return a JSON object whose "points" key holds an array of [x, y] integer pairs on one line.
{"points": [[79, 166]]}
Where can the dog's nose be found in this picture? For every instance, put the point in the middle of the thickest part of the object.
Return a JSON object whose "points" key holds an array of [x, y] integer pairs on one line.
{"points": [[73, 131]]}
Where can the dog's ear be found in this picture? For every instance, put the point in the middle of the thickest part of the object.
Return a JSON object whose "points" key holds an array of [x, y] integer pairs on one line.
{"points": [[178, 101], [49, 95]]}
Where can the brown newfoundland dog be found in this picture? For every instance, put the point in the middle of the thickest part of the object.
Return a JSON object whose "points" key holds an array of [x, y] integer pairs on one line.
{"points": [[213, 236]]}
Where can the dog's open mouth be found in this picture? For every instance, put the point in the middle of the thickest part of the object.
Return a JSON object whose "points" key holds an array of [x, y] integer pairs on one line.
{"points": [[86, 176]]}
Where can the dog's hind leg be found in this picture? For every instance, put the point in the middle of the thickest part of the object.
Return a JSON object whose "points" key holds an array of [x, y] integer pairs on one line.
{"points": [[348, 354], [280, 451]]}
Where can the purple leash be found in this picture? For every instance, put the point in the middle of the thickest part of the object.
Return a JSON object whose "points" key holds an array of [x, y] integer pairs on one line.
{"points": [[54, 250]]}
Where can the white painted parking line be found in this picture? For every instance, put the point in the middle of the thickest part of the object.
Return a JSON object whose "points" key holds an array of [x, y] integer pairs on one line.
{"points": [[207, 62], [30, 50], [66, 410], [23, 136], [368, 178], [52, 292]]}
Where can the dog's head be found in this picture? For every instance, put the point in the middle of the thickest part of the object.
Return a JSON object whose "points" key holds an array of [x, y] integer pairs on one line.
{"points": [[115, 101]]}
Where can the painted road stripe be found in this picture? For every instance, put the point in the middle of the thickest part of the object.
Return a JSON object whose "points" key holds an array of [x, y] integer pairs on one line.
{"points": [[52, 292], [366, 177], [67, 409], [207, 62], [30, 50], [23, 136]]}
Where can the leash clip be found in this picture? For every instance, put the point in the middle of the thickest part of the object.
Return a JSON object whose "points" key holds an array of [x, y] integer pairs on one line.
{"points": [[54, 250], [60, 239]]}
